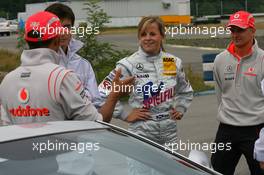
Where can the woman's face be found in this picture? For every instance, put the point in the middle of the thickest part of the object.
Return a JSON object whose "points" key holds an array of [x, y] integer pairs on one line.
{"points": [[150, 39]]}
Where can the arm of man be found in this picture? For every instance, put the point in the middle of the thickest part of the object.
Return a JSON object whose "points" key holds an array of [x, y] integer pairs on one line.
{"points": [[76, 104], [74, 101], [117, 90], [105, 88], [217, 80], [106, 85]]}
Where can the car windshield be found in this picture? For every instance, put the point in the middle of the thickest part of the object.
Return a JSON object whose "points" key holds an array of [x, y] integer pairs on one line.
{"points": [[95, 152]]}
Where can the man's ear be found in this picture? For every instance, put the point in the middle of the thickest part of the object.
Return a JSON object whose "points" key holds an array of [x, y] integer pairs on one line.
{"points": [[55, 44], [253, 30]]}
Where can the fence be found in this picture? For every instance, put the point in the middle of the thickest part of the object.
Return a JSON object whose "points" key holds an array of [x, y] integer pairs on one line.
{"points": [[224, 7], [208, 64]]}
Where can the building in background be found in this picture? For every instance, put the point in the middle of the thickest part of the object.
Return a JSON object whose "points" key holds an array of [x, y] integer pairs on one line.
{"points": [[125, 12]]}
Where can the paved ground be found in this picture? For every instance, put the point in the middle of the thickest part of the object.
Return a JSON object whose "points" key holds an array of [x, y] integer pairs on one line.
{"points": [[189, 55]]}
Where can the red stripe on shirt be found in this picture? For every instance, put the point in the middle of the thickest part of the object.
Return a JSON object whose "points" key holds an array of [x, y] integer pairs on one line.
{"points": [[50, 78]]}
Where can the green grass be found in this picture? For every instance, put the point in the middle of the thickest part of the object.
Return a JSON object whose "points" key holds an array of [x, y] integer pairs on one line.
{"points": [[196, 81], [9, 60]]}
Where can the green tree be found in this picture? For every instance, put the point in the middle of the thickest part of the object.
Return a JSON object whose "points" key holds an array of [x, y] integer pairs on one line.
{"points": [[102, 55], [212, 7], [21, 42], [2, 14]]}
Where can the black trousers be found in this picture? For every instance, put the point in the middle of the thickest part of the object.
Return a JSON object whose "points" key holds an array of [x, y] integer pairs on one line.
{"points": [[242, 141]]}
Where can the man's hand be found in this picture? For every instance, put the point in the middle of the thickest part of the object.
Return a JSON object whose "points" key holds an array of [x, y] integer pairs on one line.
{"points": [[122, 87], [261, 165], [175, 115], [118, 89], [138, 114]]}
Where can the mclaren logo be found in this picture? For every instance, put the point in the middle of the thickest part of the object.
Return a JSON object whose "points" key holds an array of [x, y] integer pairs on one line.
{"points": [[250, 69], [23, 95]]}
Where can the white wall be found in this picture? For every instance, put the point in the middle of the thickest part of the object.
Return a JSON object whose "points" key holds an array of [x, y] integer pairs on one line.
{"points": [[136, 8], [123, 12]]}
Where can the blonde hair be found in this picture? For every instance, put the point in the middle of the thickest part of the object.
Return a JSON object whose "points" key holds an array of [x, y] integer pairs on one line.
{"points": [[145, 21]]}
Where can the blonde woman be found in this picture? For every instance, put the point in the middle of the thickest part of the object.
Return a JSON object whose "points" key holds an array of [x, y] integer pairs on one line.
{"points": [[161, 93]]}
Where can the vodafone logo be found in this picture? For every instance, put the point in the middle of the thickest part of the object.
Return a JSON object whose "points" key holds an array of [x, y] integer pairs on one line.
{"points": [[28, 111], [23, 95], [251, 69]]}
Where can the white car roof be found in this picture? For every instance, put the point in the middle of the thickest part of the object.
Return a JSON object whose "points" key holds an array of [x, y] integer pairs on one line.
{"points": [[14, 132]]}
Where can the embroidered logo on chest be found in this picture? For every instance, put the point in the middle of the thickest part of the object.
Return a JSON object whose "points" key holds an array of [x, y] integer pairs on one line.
{"points": [[169, 66], [250, 72]]}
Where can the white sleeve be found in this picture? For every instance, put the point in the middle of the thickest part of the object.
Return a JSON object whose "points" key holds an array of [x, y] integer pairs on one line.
{"points": [[91, 87], [4, 117], [218, 83], [259, 147], [262, 86], [74, 101]]}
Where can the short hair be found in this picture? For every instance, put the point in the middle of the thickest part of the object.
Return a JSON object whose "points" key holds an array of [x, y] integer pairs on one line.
{"points": [[62, 11], [145, 21], [39, 44]]}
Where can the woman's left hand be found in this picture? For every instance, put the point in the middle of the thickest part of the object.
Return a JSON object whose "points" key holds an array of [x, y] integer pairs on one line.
{"points": [[138, 114], [175, 115]]}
